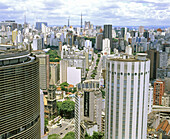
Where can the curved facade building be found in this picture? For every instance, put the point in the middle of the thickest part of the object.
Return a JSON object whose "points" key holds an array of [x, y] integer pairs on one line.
{"points": [[19, 96], [127, 86]]}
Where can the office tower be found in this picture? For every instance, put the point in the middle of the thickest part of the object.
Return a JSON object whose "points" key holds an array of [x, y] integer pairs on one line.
{"points": [[127, 86], [63, 71], [20, 96], [37, 43], [99, 41], [106, 46], [14, 36], [146, 34], [79, 134], [87, 24], [163, 59], [44, 68], [54, 70], [108, 33], [39, 25], [50, 108], [124, 32], [150, 98], [88, 108], [153, 55], [158, 92]]}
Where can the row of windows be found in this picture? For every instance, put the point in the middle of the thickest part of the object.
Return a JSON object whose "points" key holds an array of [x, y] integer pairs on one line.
{"points": [[125, 74]]}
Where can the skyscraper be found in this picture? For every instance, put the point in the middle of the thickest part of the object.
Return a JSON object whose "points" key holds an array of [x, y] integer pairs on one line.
{"points": [[20, 96], [39, 25], [108, 33], [44, 70], [153, 55], [127, 85], [99, 41]]}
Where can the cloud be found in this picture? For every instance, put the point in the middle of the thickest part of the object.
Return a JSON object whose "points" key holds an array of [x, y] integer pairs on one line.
{"points": [[3, 6], [99, 12]]}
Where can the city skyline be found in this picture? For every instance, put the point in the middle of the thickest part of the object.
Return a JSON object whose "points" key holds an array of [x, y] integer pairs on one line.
{"points": [[124, 13]]}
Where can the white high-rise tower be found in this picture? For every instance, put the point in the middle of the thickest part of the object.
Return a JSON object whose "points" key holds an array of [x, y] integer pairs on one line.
{"points": [[127, 86]]}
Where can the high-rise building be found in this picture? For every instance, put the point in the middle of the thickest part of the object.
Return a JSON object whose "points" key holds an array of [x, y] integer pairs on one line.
{"points": [[14, 36], [158, 92], [50, 104], [63, 71], [123, 33], [99, 41], [37, 43], [163, 59], [20, 96], [88, 109], [108, 33], [87, 24], [39, 25], [106, 46], [153, 55], [127, 86], [54, 70], [44, 65]]}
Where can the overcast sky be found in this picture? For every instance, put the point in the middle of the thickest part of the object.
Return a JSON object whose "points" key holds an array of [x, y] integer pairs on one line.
{"points": [[99, 12]]}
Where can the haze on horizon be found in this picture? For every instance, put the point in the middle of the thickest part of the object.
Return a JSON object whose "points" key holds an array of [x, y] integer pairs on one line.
{"points": [[99, 12]]}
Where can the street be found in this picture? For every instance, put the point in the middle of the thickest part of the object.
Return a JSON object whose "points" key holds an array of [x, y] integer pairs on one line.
{"points": [[67, 126]]}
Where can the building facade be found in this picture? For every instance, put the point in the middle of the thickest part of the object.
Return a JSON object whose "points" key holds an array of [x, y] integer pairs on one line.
{"points": [[158, 92], [20, 96], [108, 33], [44, 69], [127, 85]]}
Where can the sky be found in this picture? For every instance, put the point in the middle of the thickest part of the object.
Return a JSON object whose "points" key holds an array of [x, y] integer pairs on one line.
{"points": [[98, 12]]}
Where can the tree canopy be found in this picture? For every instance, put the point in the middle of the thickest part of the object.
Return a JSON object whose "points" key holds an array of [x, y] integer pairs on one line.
{"points": [[54, 57], [54, 136], [96, 135], [69, 135], [66, 108]]}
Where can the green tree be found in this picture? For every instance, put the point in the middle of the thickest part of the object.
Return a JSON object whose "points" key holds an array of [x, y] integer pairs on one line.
{"points": [[69, 135], [45, 124], [93, 76], [64, 84], [87, 136], [92, 58], [87, 69], [54, 57], [74, 90], [70, 90], [54, 136], [103, 94], [99, 55], [66, 108]]}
